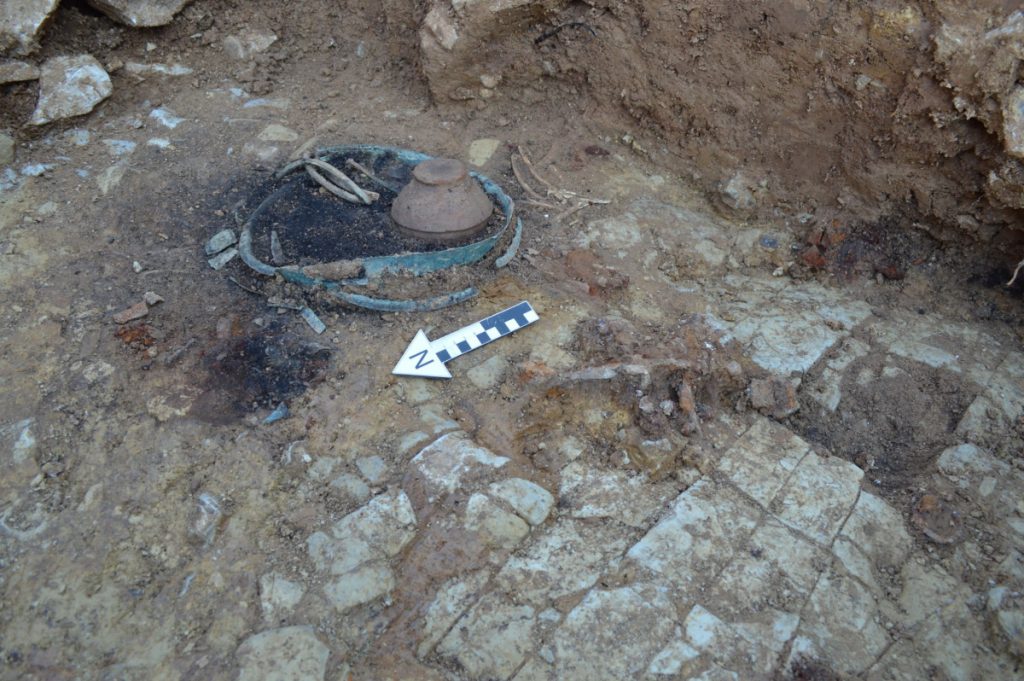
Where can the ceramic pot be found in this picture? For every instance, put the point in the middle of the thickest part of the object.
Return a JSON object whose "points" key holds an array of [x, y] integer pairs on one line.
{"points": [[441, 203]]}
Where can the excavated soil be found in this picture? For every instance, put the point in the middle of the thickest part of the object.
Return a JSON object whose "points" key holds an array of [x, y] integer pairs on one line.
{"points": [[884, 110], [863, 144]]}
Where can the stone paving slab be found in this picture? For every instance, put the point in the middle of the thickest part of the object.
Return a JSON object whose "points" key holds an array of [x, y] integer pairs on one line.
{"points": [[444, 465], [819, 496], [939, 343], [761, 461], [698, 536], [453, 598], [532, 502], [817, 318], [776, 568], [842, 624], [492, 640], [566, 558], [614, 634], [592, 493]]}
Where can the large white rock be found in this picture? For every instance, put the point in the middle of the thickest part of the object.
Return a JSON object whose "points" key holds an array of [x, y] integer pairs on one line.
{"points": [[358, 548], [21, 22], [140, 12], [492, 640], [528, 499], [614, 634], [286, 654], [70, 86]]}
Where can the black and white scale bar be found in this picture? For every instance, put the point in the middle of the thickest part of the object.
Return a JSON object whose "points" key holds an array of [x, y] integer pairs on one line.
{"points": [[471, 337], [427, 358]]}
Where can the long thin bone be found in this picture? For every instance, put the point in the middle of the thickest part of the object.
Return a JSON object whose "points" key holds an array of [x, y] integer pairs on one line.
{"points": [[356, 165], [1015, 273], [343, 180], [526, 187], [331, 187]]}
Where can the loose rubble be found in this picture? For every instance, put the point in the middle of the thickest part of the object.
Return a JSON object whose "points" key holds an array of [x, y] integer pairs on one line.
{"points": [[69, 87]]}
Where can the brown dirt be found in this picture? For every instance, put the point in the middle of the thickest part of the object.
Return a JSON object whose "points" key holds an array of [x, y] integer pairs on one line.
{"points": [[872, 111], [892, 427], [135, 421]]}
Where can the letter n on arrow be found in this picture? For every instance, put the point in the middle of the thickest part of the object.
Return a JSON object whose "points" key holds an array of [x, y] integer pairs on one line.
{"points": [[420, 360]]}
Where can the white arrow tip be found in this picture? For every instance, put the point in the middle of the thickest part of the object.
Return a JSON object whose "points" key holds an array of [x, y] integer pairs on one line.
{"points": [[419, 360]]}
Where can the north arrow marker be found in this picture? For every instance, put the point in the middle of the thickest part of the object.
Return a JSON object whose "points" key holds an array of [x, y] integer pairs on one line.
{"points": [[427, 358]]}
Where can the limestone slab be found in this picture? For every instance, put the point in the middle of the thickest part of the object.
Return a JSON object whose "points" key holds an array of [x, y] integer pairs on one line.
{"points": [[815, 319], [594, 493], [698, 536], [278, 595], [450, 602], [446, 463], [567, 557], [496, 526], [874, 536], [387, 521], [761, 461], [492, 640], [361, 585], [286, 654], [614, 634], [531, 501], [842, 621], [818, 496], [778, 569], [373, 468]]}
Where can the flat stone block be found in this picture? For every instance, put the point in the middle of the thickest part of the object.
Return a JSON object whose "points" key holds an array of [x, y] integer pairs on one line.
{"points": [[818, 496], [451, 601], [840, 622], [362, 585], [592, 493], [444, 465], [567, 557], [762, 460], [492, 640], [531, 501], [698, 536], [286, 654], [496, 526], [612, 635]]}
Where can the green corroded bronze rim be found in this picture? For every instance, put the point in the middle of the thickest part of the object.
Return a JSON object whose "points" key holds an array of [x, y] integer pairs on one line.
{"points": [[417, 264]]}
